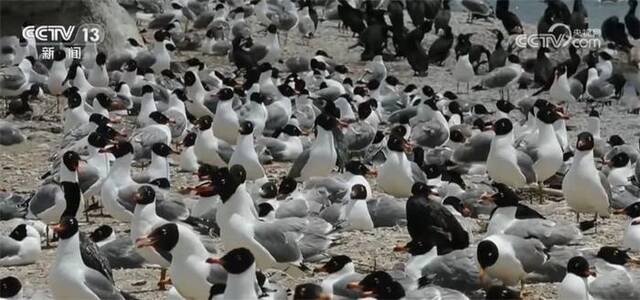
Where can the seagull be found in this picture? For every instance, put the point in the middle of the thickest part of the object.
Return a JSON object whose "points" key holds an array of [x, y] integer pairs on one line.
{"points": [[190, 274], [119, 251], [463, 71], [207, 147], [241, 269], [503, 77], [320, 159], [584, 187], [509, 258], [575, 284], [225, 122], [188, 158], [341, 272], [505, 164], [287, 146], [147, 106], [97, 74], [245, 154], [21, 247], [631, 237], [72, 276]]}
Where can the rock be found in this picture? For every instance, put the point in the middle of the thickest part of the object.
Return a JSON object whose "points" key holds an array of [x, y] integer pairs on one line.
{"points": [[9, 134], [116, 23]]}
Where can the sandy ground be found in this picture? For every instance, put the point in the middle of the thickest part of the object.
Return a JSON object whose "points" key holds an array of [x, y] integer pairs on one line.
{"points": [[21, 165]]}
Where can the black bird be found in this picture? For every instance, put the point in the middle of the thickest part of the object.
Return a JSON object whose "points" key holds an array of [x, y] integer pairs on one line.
{"points": [[439, 50], [499, 56], [442, 18], [373, 39], [475, 51], [19, 107], [432, 7], [396, 16], [561, 11], [543, 68], [422, 10], [414, 52], [510, 20], [429, 218], [546, 21], [351, 17], [241, 54], [614, 30], [578, 20], [633, 24], [573, 61], [313, 14]]}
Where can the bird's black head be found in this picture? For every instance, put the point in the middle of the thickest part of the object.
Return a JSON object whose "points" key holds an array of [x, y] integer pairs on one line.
{"points": [[235, 261], [420, 189], [356, 167], [73, 98], [619, 160], [499, 292], [159, 118], [614, 255], [456, 135], [308, 291], [398, 144], [163, 238], [291, 130], [133, 42], [504, 197], [59, 55], [633, 210], [391, 290], [246, 127], [97, 140], [287, 186], [585, 141], [433, 170], [19, 233], [457, 204], [579, 266], [487, 254], [131, 66], [364, 110], [264, 209], [225, 94], [67, 227], [480, 109], [326, 121], [119, 149], [101, 59], [101, 233], [9, 287], [505, 106], [374, 280], [269, 190], [286, 90], [514, 59], [373, 84], [225, 181], [503, 126], [428, 91], [160, 35], [161, 149], [189, 140], [615, 140], [548, 115], [145, 195], [594, 113], [205, 122], [71, 160], [358, 192], [272, 29], [335, 264], [189, 78]]}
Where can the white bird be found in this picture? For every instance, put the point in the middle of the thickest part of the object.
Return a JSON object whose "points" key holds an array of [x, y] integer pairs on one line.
{"points": [[21, 247], [98, 75], [631, 237], [188, 158], [463, 71], [320, 159], [241, 273], [207, 146], [396, 175], [245, 153], [506, 164], [147, 106], [575, 284], [584, 187], [225, 121]]}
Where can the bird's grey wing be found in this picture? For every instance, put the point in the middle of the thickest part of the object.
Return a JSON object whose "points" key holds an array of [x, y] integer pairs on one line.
{"points": [[180, 122], [430, 134], [457, 269], [417, 173], [258, 51], [93, 258], [161, 21], [387, 212], [101, 286], [532, 152], [299, 163], [500, 77], [11, 78], [435, 293], [8, 247], [615, 284], [148, 136], [340, 286], [172, 210], [125, 197], [121, 254], [605, 185], [275, 146], [45, 198], [281, 244], [555, 268], [12, 206], [475, 150], [203, 20], [87, 176], [530, 252], [403, 115], [526, 167], [145, 60], [546, 231], [292, 208]]}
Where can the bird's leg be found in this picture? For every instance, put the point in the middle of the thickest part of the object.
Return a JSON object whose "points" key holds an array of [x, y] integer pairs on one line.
{"points": [[86, 211], [578, 217], [468, 84], [541, 192], [46, 236], [458, 87], [163, 280], [595, 222]]}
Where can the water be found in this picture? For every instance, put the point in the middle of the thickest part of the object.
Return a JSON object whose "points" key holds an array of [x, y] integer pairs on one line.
{"points": [[530, 11]]}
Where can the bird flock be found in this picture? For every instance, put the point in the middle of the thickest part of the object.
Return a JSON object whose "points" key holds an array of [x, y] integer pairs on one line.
{"points": [[296, 154]]}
